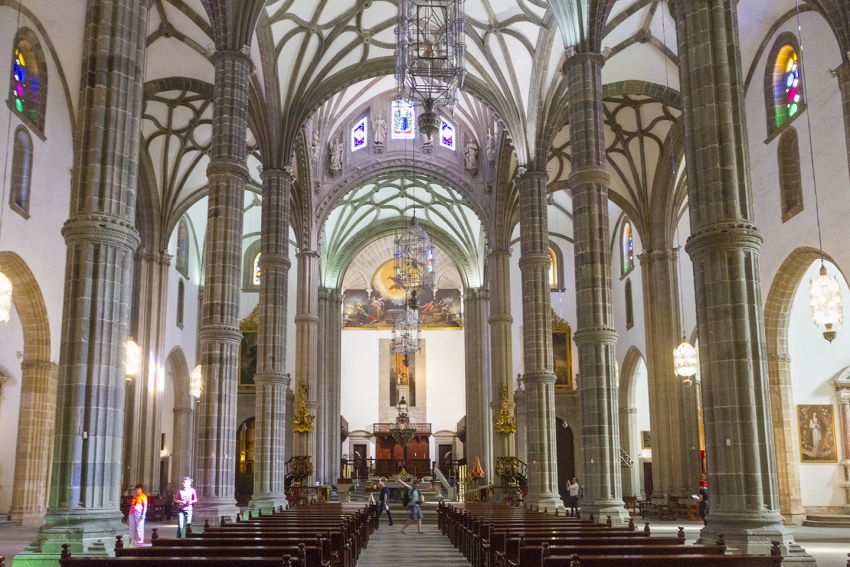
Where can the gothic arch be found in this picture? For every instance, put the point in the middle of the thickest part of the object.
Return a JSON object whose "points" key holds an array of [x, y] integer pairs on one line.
{"points": [[627, 374], [627, 410], [38, 396], [777, 312], [182, 453]]}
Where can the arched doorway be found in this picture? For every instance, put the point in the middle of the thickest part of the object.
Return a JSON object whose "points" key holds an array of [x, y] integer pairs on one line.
{"points": [[565, 445], [245, 461], [183, 423]]}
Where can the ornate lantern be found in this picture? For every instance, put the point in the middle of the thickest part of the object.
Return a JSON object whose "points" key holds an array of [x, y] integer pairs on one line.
{"points": [[195, 382], [685, 359], [414, 258], [430, 55], [825, 299], [133, 363], [407, 332], [5, 298]]}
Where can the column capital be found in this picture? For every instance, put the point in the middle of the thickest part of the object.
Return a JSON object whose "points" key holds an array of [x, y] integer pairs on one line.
{"points": [[272, 378], [595, 335], [717, 237], [477, 294], [274, 173], [503, 253], [526, 176], [102, 229], [37, 364], [271, 259], [243, 55], [665, 255], [227, 166], [577, 58], [533, 259], [307, 254], [500, 318], [532, 378], [842, 72], [589, 175], [220, 333]]}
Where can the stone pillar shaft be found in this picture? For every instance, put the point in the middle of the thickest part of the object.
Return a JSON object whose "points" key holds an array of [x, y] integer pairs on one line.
{"points": [[307, 344], [220, 336], [595, 336], [672, 400], [479, 423], [85, 485], [843, 75], [539, 378], [271, 379], [724, 247], [329, 442], [143, 421], [842, 388], [183, 446], [498, 266]]}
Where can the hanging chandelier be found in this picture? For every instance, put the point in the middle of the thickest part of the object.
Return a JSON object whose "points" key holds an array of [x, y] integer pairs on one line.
{"points": [[407, 331], [195, 382], [430, 53], [133, 363], [825, 299], [414, 258], [685, 359], [5, 298]]}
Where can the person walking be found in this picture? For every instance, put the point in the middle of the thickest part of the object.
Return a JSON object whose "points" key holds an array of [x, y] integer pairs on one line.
{"points": [[136, 517], [573, 487], [168, 501], [384, 502], [414, 510], [185, 499], [702, 498]]}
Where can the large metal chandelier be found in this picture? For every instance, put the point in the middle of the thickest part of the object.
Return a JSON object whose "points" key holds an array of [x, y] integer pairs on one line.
{"points": [[407, 331], [414, 258], [430, 55]]}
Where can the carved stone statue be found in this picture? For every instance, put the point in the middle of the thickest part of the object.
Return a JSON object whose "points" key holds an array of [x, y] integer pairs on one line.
{"points": [[491, 147], [335, 157], [379, 135], [470, 153]]}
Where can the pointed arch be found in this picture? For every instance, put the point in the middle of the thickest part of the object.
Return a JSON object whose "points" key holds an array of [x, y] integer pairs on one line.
{"points": [[182, 451]]}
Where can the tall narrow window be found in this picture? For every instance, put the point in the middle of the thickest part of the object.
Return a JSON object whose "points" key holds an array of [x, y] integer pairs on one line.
{"points": [[19, 197], [628, 248], [181, 301], [404, 120], [783, 83], [790, 179], [256, 280], [182, 261], [447, 135], [28, 84], [553, 269], [630, 311], [358, 134]]}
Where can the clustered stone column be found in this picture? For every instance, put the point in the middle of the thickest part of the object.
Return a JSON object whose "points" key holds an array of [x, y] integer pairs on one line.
{"points": [[271, 379], [219, 335], [328, 439], [307, 346], [143, 419], [501, 355], [672, 400], [85, 486], [595, 336], [539, 377], [724, 247], [479, 424]]}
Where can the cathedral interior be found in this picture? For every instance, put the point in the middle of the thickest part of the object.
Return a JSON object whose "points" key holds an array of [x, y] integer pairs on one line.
{"points": [[632, 273]]}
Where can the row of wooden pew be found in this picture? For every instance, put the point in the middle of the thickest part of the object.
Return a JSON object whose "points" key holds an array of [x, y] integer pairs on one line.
{"points": [[322, 535], [496, 535]]}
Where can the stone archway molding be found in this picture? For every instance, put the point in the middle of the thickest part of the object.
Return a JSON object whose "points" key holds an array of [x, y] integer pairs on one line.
{"points": [[38, 397], [777, 312]]}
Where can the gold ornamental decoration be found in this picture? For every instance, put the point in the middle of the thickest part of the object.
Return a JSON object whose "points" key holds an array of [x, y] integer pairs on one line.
{"points": [[251, 323], [302, 421], [505, 421]]}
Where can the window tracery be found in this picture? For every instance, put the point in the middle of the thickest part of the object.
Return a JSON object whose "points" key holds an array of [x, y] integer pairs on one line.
{"points": [[28, 85]]}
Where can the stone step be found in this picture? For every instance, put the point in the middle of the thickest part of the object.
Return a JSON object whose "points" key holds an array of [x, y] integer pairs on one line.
{"points": [[827, 521]]}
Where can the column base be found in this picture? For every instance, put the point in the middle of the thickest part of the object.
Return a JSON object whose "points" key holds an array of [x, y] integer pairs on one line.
{"points": [[545, 502], [27, 518], [753, 533], [213, 509], [601, 509], [268, 502], [89, 534]]}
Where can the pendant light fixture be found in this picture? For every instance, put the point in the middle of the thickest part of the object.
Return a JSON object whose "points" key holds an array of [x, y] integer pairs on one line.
{"points": [[825, 291], [195, 382], [133, 361]]}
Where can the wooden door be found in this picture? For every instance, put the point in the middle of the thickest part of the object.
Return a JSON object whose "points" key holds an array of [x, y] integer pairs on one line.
{"points": [[361, 468], [444, 459], [647, 479], [566, 457]]}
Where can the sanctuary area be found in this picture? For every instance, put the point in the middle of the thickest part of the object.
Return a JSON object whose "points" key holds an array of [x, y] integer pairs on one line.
{"points": [[297, 250]]}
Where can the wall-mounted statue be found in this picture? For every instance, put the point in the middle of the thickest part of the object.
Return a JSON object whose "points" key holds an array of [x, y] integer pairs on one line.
{"points": [[379, 135], [470, 154], [491, 147], [335, 157]]}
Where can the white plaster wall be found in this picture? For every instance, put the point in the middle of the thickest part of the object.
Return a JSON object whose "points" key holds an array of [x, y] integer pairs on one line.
{"points": [[641, 386], [814, 364], [11, 342], [444, 375]]}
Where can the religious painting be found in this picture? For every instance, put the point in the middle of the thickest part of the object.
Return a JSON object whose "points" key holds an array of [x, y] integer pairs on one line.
{"points": [[562, 353], [248, 349], [817, 433], [645, 440], [402, 379], [379, 307]]}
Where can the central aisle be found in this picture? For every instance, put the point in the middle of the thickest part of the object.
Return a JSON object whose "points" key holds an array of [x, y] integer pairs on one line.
{"points": [[389, 548]]}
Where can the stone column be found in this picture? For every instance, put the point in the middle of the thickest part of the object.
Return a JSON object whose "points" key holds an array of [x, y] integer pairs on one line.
{"points": [[501, 356], [271, 379], [521, 424], [85, 485], [32, 454], [539, 377], [842, 390], [843, 75], [672, 400], [479, 423], [143, 407], [307, 346], [630, 444], [724, 247], [595, 336], [183, 446], [220, 337], [328, 440]]}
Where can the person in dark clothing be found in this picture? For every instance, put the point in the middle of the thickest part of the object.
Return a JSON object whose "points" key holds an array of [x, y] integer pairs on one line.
{"points": [[168, 501], [702, 498], [384, 502]]}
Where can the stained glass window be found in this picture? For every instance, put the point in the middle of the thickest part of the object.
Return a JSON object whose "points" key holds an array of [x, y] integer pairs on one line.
{"points": [[787, 85], [256, 280], [447, 134], [628, 249], [553, 269], [26, 87], [404, 120], [359, 134]]}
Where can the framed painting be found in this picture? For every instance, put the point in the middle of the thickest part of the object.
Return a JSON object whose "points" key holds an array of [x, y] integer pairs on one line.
{"points": [[645, 440], [562, 353], [817, 433], [248, 349]]}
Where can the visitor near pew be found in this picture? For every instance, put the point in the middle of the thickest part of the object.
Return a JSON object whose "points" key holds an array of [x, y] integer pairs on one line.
{"points": [[168, 501], [573, 487], [185, 499], [384, 502], [702, 498], [136, 517], [414, 510]]}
